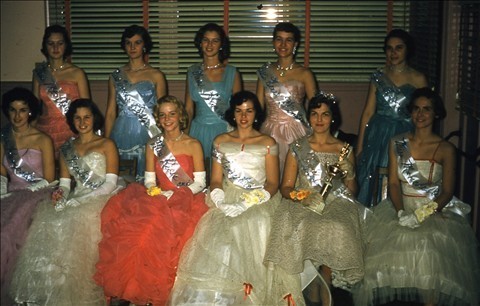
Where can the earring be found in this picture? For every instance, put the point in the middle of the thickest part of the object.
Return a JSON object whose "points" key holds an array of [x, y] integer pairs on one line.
{"points": [[273, 49], [294, 50], [144, 50], [333, 120], [220, 49], [256, 120], [30, 114], [234, 119]]}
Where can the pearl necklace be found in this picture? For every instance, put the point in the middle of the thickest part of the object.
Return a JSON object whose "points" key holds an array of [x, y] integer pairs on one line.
{"points": [[284, 69], [219, 65], [178, 137], [56, 69], [21, 133], [392, 68], [139, 68]]}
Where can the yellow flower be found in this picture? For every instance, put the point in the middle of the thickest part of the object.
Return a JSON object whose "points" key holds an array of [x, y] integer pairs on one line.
{"points": [[253, 197], [424, 211], [154, 191]]}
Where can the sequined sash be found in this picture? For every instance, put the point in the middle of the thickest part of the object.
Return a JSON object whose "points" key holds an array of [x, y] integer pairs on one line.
{"points": [[134, 102], [207, 91], [408, 168], [169, 164], [282, 97], [79, 168], [54, 92], [14, 160], [309, 163], [233, 171], [390, 92]]}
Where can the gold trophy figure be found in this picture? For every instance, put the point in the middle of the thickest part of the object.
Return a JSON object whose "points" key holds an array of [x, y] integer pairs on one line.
{"points": [[334, 171]]}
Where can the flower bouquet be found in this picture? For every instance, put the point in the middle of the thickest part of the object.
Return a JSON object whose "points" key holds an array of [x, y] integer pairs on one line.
{"points": [[254, 197], [154, 191], [424, 211], [310, 200]]}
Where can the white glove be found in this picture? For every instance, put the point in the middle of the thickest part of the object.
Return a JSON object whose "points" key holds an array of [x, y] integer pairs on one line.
{"points": [[150, 179], [199, 182], [4, 184], [167, 193], [400, 213], [42, 183], [232, 210], [409, 220], [218, 196], [346, 165]]}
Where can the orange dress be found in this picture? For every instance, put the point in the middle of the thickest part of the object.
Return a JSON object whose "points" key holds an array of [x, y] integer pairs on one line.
{"points": [[143, 237], [52, 122]]}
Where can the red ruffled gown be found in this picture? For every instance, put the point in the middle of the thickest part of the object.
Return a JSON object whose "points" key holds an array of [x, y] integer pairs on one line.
{"points": [[143, 237]]}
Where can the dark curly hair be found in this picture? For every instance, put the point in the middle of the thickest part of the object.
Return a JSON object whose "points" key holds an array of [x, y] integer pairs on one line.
{"points": [[183, 120], [405, 37], [134, 30], [239, 98], [331, 102], [289, 28], [437, 101], [224, 51], [98, 118], [61, 30], [25, 95]]}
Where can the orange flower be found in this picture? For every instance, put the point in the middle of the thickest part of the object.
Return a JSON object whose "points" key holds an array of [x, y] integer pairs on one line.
{"points": [[300, 194]]}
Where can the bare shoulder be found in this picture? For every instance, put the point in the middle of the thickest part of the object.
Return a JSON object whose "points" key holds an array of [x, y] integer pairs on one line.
{"points": [[419, 80], [157, 74], [267, 140], [447, 147], [222, 138], [108, 144]]}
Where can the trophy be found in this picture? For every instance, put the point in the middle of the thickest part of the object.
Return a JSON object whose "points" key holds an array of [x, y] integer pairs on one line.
{"points": [[334, 171]]}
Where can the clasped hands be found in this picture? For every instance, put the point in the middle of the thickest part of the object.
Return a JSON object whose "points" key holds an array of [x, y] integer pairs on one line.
{"points": [[413, 220], [254, 197]]}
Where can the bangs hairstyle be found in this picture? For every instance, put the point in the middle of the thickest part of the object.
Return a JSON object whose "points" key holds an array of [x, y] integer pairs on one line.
{"points": [[289, 28], [405, 37], [183, 116], [66, 38], [134, 29], [331, 102], [25, 95], [437, 101], [98, 119], [239, 98], [224, 51]]}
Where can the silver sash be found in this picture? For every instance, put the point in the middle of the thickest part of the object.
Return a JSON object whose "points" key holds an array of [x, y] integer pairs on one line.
{"points": [[391, 93], [15, 162], [233, 171], [54, 92], [207, 91], [282, 96], [79, 169], [169, 164], [135, 103], [408, 168]]}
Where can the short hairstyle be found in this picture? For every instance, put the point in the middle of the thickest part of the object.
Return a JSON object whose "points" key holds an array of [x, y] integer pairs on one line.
{"points": [[239, 98], [331, 102], [25, 95], [405, 37], [183, 121], [137, 30], [437, 101], [289, 28], [224, 51], [98, 118], [61, 30]]}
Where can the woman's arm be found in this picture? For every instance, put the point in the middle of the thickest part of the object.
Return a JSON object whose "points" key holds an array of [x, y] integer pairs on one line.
{"points": [[272, 171], [197, 153], [216, 176], [111, 155], [111, 113], [237, 83], [3, 170], [447, 159], [289, 175], [310, 85], [36, 87], [83, 85], [350, 180], [367, 113], [260, 93], [48, 158], [160, 84], [189, 105], [394, 187]]}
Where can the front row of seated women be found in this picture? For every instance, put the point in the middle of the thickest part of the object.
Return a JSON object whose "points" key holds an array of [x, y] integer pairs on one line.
{"points": [[169, 243]]}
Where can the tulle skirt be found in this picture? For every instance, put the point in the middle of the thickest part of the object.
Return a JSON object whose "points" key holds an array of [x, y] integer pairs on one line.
{"points": [[437, 262], [142, 240], [58, 260], [222, 264]]}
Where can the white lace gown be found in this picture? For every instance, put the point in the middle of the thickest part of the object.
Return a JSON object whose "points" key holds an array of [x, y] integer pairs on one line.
{"points": [[438, 261], [58, 260], [225, 253]]}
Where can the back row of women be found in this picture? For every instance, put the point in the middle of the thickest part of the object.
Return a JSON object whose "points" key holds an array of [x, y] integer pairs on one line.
{"points": [[250, 246]]}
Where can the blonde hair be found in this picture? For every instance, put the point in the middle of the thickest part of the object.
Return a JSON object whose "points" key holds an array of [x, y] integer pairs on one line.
{"points": [[183, 121]]}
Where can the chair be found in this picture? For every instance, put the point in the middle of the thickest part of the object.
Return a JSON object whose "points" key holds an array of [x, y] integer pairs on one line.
{"points": [[380, 185], [127, 168]]}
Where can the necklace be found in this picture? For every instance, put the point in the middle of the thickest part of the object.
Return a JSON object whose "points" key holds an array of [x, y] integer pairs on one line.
{"points": [[284, 69], [392, 68], [56, 69], [21, 133], [178, 137], [219, 65], [139, 68]]}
